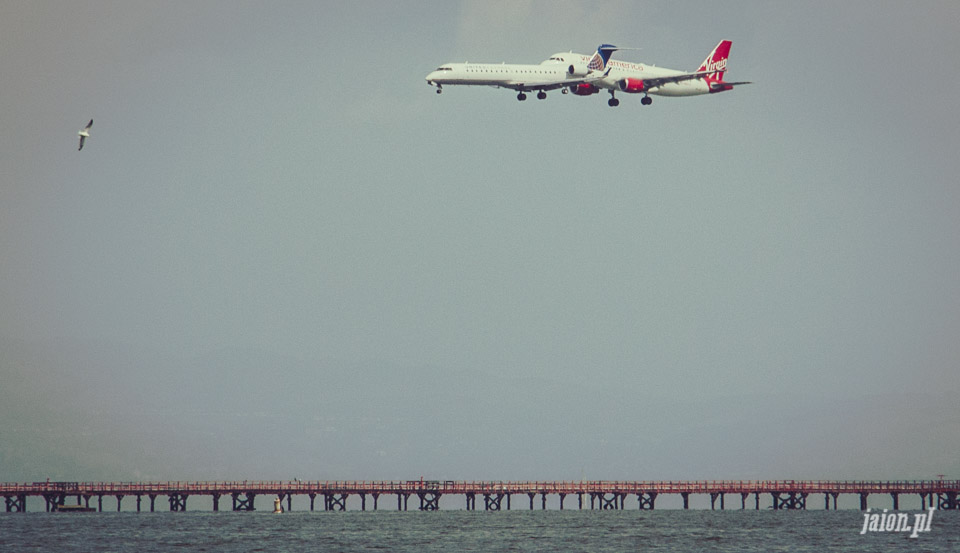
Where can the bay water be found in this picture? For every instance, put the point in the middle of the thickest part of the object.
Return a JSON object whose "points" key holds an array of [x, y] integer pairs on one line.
{"points": [[453, 531]]}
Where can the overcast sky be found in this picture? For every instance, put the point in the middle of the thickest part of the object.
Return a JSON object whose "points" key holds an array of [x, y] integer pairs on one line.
{"points": [[281, 254]]}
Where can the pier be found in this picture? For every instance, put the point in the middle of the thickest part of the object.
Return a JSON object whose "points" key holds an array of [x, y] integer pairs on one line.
{"points": [[496, 495]]}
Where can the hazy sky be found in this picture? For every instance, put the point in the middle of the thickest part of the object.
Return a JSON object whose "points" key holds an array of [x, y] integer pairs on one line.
{"points": [[281, 254]]}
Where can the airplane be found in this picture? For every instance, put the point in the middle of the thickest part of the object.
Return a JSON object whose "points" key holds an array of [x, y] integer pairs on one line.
{"points": [[639, 78], [563, 71]]}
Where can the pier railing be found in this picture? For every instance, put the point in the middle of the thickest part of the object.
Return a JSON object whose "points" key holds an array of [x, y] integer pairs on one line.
{"points": [[467, 486]]}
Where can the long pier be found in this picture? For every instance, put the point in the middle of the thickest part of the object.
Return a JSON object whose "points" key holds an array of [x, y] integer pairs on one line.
{"points": [[496, 495]]}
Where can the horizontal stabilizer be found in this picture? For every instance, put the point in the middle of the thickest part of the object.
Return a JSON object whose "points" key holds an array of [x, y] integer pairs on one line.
{"points": [[723, 85]]}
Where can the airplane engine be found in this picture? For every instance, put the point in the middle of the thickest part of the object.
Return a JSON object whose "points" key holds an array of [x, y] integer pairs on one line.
{"points": [[584, 89], [631, 85], [576, 70]]}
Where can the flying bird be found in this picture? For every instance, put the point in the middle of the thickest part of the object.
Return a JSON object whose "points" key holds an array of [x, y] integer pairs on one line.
{"points": [[84, 134]]}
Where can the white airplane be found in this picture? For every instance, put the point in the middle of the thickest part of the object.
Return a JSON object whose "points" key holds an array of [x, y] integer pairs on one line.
{"points": [[564, 71], [639, 78]]}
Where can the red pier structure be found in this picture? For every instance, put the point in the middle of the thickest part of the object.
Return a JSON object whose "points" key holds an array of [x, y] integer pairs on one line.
{"points": [[497, 495]]}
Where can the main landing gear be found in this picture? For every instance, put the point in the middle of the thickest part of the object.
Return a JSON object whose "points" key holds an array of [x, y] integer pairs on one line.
{"points": [[540, 96], [614, 102]]}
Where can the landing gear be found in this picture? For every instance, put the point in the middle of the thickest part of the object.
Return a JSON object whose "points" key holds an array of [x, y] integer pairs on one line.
{"points": [[541, 95], [646, 100], [439, 90], [613, 102], [521, 96]]}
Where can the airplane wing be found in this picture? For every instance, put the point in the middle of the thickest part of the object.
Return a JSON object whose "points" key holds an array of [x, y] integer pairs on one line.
{"points": [[660, 81], [530, 86]]}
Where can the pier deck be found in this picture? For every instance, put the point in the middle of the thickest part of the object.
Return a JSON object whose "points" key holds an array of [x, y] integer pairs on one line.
{"points": [[785, 494]]}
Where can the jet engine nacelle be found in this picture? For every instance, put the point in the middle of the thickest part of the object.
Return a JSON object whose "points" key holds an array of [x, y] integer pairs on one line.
{"points": [[584, 89], [577, 70], [631, 85]]}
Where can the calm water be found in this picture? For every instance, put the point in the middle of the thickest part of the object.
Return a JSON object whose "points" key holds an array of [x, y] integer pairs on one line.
{"points": [[452, 531]]}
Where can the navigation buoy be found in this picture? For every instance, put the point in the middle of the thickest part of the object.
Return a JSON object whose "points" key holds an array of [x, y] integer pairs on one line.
{"points": [[276, 506]]}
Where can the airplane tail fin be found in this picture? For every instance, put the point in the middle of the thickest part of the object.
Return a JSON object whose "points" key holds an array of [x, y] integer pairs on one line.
{"points": [[599, 60], [716, 62]]}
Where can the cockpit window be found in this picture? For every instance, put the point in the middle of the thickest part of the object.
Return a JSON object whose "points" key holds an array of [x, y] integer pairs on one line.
{"points": [[444, 69]]}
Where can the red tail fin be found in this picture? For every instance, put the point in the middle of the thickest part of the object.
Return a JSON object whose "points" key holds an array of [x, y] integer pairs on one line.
{"points": [[716, 62]]}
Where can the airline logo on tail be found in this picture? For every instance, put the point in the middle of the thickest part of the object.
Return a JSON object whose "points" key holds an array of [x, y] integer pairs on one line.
{"points": [[599, 60], [716, 62]]}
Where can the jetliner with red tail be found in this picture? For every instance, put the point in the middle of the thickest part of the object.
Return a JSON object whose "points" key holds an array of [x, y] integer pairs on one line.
{"points": [[639, 78], [564, 71]]}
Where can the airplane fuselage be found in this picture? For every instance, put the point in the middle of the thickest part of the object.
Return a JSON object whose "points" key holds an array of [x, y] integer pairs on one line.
{"points": [[491, 74], [547, 75], [620, 71]]}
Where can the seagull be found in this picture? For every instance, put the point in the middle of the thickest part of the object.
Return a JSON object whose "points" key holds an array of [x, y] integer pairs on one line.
{"points": [[84, 134]]}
